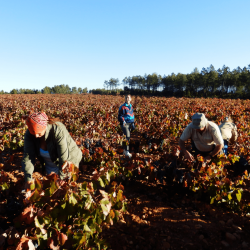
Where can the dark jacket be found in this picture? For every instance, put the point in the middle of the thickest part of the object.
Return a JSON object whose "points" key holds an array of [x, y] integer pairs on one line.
{"points": [[60, 145]]}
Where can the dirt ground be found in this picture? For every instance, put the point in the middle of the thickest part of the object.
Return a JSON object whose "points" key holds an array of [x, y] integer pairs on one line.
{"points": [[161, 217]]}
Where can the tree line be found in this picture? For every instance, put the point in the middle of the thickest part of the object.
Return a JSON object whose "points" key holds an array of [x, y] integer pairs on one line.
{"points": [[209, 82], [57, 89]]}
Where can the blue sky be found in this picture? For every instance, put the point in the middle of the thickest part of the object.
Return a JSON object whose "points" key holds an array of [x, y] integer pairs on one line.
{"points": [[82, 43]]}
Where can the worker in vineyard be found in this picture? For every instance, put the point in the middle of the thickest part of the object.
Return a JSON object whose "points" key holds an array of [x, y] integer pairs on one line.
{"points": [[126, 118], [205, 136], [229, 133], [48, 140]]}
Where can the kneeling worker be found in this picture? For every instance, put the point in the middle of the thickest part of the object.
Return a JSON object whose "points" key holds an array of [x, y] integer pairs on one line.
{"points": [[205, 136]]}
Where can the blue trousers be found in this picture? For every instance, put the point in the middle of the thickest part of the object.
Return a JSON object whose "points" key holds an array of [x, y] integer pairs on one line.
{"points": [[225, 148]]}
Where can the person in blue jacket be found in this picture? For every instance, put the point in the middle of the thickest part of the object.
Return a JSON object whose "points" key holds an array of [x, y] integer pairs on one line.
{"points": [[126, 118]]}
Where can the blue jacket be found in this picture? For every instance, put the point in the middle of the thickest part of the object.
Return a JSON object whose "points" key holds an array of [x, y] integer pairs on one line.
{"points": [[126, 113]]}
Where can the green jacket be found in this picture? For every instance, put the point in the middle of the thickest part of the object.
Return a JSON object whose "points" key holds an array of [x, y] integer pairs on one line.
{"points": [[60, 145]]}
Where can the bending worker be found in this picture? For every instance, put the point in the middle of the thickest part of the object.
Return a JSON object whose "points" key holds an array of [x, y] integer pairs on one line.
{"points": [[205, 136], [48, 140], [229, 133]]}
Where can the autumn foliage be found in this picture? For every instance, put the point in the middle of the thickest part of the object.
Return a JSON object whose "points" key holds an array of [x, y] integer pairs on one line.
{"points": [[70, 214]]}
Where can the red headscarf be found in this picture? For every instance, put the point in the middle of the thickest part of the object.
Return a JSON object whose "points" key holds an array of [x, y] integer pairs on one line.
{"points": [[37, 122]]}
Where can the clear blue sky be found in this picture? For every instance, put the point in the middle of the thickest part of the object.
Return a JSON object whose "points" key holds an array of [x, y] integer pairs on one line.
{"points": [[82, 43]]}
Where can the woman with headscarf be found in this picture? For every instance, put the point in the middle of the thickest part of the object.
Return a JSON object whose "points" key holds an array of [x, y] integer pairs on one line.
{"points": [[48, 140]]}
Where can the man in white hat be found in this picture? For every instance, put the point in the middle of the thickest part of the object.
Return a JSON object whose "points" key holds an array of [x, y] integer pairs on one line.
{"points": [[206, 138]]}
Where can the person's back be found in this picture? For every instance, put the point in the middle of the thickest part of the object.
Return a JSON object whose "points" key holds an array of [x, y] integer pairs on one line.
{"points": [[229, 133]]}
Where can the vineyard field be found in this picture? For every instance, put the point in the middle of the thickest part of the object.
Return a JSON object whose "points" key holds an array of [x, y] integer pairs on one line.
{"points": [[114, 202]]}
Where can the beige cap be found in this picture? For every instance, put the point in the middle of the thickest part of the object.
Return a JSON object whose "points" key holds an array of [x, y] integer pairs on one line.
{"points": [[198, 121]]}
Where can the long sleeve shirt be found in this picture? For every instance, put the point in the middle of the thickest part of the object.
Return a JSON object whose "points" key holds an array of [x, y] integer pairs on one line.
{"points": [[205, 141], [126, 113], [60, 145], [229, 131]]}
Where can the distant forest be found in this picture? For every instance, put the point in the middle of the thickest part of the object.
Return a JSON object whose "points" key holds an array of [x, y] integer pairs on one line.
{"points": [[57, 89], [209, 82]]}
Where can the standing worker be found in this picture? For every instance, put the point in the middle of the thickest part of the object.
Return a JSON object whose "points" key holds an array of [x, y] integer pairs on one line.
{"points": [[126, 118]]}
